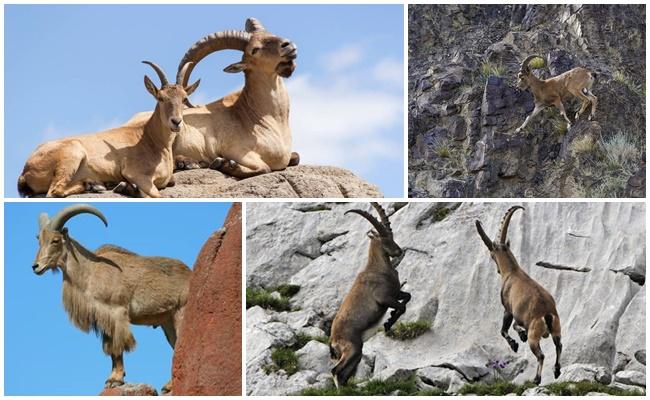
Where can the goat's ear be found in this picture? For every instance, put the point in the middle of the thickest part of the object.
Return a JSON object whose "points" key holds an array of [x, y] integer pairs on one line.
{"points": [[508, 243], [64, 231], [236, 67], [190, 89], [151, 88], [43, 220]]}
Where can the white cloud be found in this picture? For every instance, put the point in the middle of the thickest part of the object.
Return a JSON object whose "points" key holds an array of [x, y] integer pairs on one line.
{"points": [[343, 58], [335, 123], [389, 71]]}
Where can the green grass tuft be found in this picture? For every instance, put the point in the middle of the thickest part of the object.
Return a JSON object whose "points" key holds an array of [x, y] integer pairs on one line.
{"points": [[373, 387], [489, 69], [537, 63], [302, 339], [634, 86], [263, 297], [408, 330], [288, 290], [284, 358], [584, 387]]}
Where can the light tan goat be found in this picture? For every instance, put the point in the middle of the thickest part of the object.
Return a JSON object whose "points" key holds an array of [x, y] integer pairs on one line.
{"points": [[525, 301], [107, 290], [138, 152], [247, 132], [550, 92], [376, 289]]}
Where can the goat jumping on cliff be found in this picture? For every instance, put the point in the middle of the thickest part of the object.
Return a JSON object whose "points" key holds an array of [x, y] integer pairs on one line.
{"points": [[376, 289], [525, 301], [106, 290], [550, 92], [138, 153]]}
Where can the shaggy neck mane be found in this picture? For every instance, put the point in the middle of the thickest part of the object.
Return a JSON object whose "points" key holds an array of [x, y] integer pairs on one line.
{"points": [[378, 260]]}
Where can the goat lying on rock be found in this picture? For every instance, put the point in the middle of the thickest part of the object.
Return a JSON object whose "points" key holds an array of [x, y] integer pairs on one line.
{"points": [[524, 300], [106, 290], [138, 152], [376, 289], [550, 92]]}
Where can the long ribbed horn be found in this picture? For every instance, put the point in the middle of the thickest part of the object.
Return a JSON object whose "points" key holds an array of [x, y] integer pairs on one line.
{"points": [[503, 233], [180, 76], [380, 228], [231, 40], [254, 25], [59, 220], [524, 64], [486, 238], [382, 216], [159, 71]]}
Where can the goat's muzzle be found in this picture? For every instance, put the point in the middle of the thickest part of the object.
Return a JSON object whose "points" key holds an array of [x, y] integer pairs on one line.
{"points": [[39, 270]]}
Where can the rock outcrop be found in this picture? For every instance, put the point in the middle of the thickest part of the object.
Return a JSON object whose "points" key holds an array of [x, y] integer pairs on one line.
{"points": [[207, 359], [305, 181], [464, 105], [130, 389], [455, 287]]}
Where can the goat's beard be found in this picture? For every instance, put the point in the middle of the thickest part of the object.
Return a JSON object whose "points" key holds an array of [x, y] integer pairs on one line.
{"points": [[285, 69]]}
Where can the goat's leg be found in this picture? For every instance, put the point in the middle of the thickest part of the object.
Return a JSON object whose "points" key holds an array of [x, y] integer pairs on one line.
{"points": [[65, 170], [403, 298], [144, 183], [116, 378], [507, 321], [170, 334], [594, 103], [521, 331], [182, 163], [350, 357], [537, 351], [557, 340], [538, 108], [247, 166], [398, 307]]}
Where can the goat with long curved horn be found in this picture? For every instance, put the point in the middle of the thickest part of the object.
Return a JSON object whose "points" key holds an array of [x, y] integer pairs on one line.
{"points": [[59, 220], [525, 301]]}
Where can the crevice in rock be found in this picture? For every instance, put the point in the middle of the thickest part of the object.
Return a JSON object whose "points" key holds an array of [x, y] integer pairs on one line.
{"points": [[560, 267], [305, 254], [331, 236], [294, 187], [454, 368], [343, 190], [312, 207], [634, 275], [436, 213]]}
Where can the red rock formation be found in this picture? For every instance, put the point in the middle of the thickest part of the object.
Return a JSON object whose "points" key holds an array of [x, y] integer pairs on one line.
{"points": [[207, 359], [130, 389]]}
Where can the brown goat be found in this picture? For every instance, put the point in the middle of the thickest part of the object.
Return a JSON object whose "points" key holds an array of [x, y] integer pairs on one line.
{"points": [[106, 290], [376, 289], [525, 301], [550, 92], [138, 152]]}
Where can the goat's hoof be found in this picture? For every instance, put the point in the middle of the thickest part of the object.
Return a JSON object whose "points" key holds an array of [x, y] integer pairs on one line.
{"points": [[557, 371], [336, 381], [523, 337], [514, 346], [111, 383], [166, 389], [537, 380]]}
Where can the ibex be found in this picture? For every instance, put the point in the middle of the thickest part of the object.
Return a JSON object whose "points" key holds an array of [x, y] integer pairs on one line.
{"points": [[524, 300], [550, 92], [247, 132], [138, 152], [376, 289], [106, 290]]}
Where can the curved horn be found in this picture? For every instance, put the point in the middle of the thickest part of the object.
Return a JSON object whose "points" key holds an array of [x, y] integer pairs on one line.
{"points": [[503, 233], [486, 238], [254, 25], [56, 224], [524, 64], [159, 71], [231, 40], [380, 228], [180, 76], [382, 215]]}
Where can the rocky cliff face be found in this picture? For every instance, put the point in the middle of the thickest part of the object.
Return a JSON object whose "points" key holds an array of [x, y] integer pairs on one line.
{"points": [[464, 105], [455, 287], [207, 359], [306, 181]]}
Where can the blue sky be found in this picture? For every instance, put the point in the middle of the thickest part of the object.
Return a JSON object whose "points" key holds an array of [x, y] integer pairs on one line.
{"points": [[44, 353], [76, 69]]}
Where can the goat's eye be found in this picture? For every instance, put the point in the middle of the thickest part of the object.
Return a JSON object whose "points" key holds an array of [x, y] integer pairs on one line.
{"points": [[255, 50]]}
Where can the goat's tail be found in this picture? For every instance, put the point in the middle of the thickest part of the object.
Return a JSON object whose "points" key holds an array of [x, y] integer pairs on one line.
{"points": [[23, 188], [548, 318]]}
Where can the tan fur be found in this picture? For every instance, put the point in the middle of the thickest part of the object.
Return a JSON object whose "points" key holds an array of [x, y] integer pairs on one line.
{"points": [[524, 300], [138, 152], [375, 289], [108, 290], [551, 92]]}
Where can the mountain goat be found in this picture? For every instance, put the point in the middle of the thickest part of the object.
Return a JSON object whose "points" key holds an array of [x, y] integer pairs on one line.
{"points": [[550, 92], [247, 132], [524, 300], [138, 152], [106, 290], [376, 289]]}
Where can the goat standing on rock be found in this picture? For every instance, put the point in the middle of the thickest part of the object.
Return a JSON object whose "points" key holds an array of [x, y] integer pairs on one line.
{"points": [[376, 289], [106, 290], [138, 152], [525, 301], [550, 92]]}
